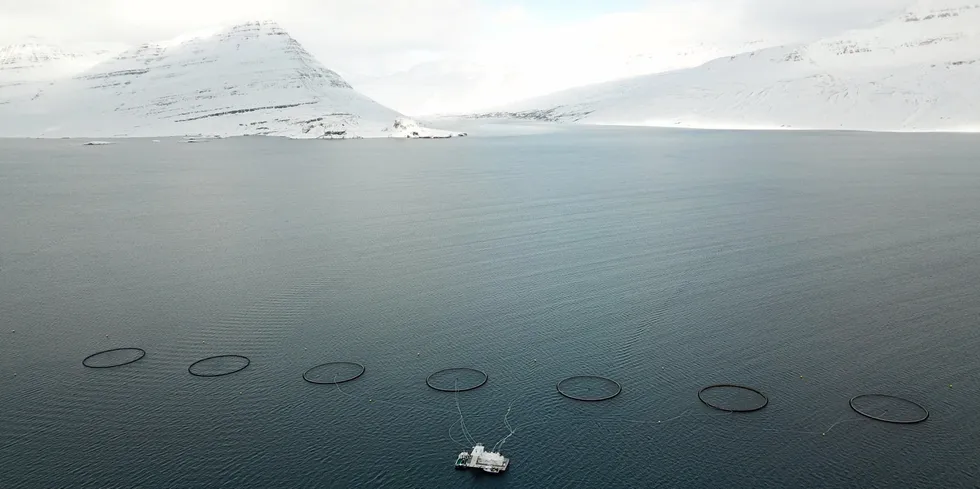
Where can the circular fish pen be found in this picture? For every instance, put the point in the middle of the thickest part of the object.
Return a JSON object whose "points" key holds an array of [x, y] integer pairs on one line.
{"points": [[589, 388], [733, 398], [333, 373], [456, 379], [218, 366], [116, 357], [889, 409]]}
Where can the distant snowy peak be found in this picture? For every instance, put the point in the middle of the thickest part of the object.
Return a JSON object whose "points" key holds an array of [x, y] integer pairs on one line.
{"points": [[29, 55], [289, 50], [38, 61], [943, 32], [248, 79], [927, 10], [308, 66], [935, 32], [261, 42]]}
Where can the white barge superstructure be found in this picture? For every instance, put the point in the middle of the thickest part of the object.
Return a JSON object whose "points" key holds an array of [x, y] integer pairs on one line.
{"points": [[479, 458]]}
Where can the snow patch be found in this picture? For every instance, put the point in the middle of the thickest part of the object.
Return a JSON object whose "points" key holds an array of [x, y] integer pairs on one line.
{"points": [[404, 127]]}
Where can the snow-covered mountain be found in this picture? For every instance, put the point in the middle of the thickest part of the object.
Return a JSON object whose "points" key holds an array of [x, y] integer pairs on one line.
{"points": [[920, 71], [250, 79]]}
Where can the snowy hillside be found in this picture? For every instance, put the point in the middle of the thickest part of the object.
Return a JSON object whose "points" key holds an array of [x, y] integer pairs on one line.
{"points": [[464, 85], [916, 72], [251, 79], [26, 66]]}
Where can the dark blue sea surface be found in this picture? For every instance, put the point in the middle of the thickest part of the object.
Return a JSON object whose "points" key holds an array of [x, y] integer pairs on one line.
{"points": [[811, 266]]}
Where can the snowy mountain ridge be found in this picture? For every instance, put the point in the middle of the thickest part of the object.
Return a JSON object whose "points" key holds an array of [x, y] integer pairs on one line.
{"points": [[915, 72], [249, 79]]}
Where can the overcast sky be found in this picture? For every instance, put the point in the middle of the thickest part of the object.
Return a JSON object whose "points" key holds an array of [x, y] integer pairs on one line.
{"points": [[375, 37]]}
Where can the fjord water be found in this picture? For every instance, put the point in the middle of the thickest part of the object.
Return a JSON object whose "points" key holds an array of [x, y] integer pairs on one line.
{"points": [[812, 266]]}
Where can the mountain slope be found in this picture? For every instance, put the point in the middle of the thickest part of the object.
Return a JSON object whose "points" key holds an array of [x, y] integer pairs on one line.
{"points": [[464, 85], [916, 72], [251, 79], [24, 67]]}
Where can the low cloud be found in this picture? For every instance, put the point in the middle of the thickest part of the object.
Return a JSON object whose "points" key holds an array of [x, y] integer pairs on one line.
{"points": [[377, 37]]}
